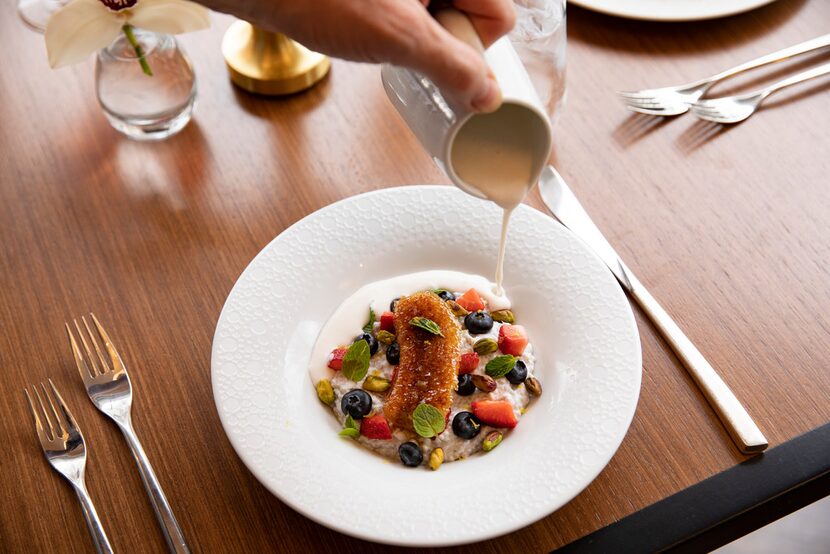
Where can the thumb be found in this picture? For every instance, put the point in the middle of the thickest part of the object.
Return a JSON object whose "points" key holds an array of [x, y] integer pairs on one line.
{"points": [[458, 70]]}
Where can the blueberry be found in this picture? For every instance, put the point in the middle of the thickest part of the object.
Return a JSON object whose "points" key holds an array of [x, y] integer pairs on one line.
{"points": [[465, 385], [518, 374], [356, 403], [478, 323], [393, 353], [410, 454], [466, 425], [371, 340], [445, 295], [393, 303]]}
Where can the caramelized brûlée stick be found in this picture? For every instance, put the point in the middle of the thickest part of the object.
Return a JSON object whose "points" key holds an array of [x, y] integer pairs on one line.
{"points": [[428, 369]]}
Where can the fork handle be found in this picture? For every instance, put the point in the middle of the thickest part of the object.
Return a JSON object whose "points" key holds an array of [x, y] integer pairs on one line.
{"points": [[743, 430], [96, 529], [780, 55], [172, 532], [798, 78]]}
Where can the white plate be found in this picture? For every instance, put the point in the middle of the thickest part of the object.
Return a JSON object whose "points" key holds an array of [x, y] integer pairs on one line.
{"points": [[671, 10], [581, 325]]}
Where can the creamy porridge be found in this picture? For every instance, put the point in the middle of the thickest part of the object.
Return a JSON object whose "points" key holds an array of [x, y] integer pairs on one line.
{"points": [[445, 368]]}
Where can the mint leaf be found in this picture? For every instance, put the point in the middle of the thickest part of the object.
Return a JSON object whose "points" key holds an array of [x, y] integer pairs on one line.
{"points": [[428, 421], [349, 432], [350, 423], [356, 361], [350, 428], [500, 366], [427, 325], [370, 325]]}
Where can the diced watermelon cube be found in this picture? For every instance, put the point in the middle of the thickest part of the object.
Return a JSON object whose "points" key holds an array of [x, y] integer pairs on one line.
{"points": [[471, 301], [375, 427], [512, 339], [496, 413], [336, 358], [387, 322], [469, 363]]}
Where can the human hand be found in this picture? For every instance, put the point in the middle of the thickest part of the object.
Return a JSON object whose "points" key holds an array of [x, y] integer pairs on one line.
{"points": [[401, 32]]}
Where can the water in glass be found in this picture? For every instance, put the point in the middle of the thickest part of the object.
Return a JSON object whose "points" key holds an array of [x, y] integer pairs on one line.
{"points": [[141, 106], [539, 38]]}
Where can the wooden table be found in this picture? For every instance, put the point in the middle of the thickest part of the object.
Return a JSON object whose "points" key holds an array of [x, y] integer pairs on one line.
{"points": [[728, 227]]}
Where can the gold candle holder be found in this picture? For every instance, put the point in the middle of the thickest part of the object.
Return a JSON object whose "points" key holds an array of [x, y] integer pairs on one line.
{"points": [[269, 63]]}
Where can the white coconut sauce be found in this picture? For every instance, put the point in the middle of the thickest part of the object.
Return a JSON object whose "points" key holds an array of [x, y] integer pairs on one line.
{"points": [[345, 323], [500, 155]]}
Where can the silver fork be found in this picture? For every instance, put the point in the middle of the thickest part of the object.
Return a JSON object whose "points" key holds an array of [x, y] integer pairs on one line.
{"points": [[733, 109], [63, 445], [677, 99], [109, 388]]}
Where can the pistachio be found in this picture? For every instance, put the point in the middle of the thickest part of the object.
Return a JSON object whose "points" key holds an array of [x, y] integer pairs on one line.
{"points": [[436, 458], [376, 384], [484, 383], [456, 308], [534, 387], [491, 441], [324, 392], [504, 316], [485, 346], [385, 337]]}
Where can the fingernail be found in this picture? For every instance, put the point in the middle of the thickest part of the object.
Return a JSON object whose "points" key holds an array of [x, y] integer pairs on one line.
{"points": [[490, 99]]}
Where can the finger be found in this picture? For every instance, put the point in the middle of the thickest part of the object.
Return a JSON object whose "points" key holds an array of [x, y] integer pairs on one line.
{"points": [[491, 18], [457, 69]]}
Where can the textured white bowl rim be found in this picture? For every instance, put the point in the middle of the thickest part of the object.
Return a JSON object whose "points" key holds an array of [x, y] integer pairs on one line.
{"points": [[606, 416]]}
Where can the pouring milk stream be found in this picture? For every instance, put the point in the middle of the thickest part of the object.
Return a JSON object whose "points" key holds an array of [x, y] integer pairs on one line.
{"points": [[497, 156]]}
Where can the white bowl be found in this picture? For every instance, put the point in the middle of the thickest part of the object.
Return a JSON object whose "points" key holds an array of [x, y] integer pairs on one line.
{"points": [[578, 319]]}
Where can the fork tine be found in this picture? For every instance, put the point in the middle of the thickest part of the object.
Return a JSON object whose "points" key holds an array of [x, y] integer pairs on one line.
{"points": [[709, 110], [41, 432], [704, 106], [59, 426], [650, 101], [67, 415], [647, 111], [717, 118], [700, 112], [655, 110], [113, 352], [95, 369], [104, 363], [644, 106], [638, 94], [83, 369], [51, 434]]}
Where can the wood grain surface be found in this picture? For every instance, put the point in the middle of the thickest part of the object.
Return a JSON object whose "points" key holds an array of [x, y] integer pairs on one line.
{"points": [[727, 226]]}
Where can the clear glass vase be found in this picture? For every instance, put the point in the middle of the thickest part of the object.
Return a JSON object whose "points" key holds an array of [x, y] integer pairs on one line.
{"points": [[142, 106]]}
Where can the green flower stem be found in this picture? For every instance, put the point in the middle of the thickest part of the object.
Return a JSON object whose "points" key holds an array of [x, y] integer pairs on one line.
{"points": [[128, 32]]}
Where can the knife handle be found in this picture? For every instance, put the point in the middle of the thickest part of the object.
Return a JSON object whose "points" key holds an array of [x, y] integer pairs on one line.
{"points": [[733, 415]]}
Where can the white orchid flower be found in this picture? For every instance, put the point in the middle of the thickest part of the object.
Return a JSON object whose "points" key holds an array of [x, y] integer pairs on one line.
{"points": [[82, 27]]}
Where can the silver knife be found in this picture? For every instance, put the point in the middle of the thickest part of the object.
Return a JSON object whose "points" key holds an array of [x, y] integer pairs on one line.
{"points": [[566, 208]]}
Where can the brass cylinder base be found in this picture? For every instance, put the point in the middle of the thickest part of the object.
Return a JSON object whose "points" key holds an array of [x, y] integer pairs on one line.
{"points": [[269, 63]]}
